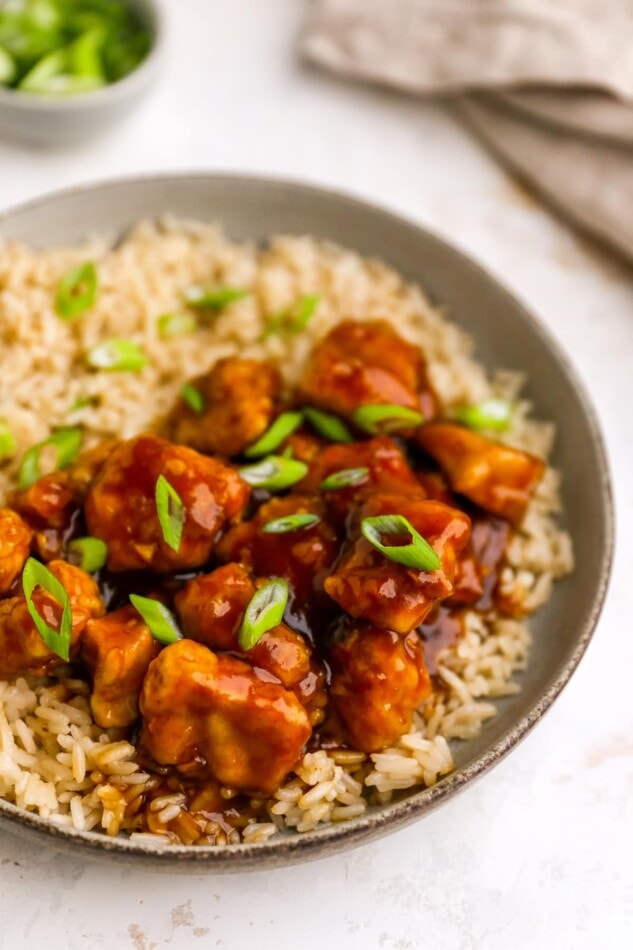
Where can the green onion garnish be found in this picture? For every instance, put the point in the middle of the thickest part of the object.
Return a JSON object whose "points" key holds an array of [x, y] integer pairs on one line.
{"points": [[212, 298], [61, 46], [8, 68], [386, 418], [116, 355], [160, 621], [77, 291], [36, 575], [416, 553], [171, 512], [84, 60], [265, 611], [171, 325], [283, 426], [65, 443], [46, 73], [293, 319], [327, 425], [344, 478], [90, 554], [290, 523], [82, 402], [274, 473], [193, 398], [492, 414], [8, 445]]}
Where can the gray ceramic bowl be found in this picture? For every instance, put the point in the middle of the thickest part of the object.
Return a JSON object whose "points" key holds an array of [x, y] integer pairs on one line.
{"points": [[506, 335], [48, 121]]}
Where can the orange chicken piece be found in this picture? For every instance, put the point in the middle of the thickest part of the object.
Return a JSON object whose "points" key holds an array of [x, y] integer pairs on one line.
{"points": [[389, 471], [499, 479], [365, 363], [378, 681], [241, 399], [47, 503], [15, 544], [367, 584], [22, 649], [302, 557], [214, 715], [118, 650], [121, 504], [211, 608]]}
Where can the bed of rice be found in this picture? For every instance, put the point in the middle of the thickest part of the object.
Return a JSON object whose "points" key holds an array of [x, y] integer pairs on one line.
{"points": [[53, 758]]}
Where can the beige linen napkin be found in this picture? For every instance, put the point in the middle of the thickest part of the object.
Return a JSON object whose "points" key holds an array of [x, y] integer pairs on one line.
{"points": [[547, 84]]}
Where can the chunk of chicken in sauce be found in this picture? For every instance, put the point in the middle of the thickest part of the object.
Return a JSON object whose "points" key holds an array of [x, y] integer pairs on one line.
{"points": [[49, 503], [367, 584], [117, 649], [212, 716], [15, 546], [121, 505], [211, 609], [241, 398], [480, 562], [302, 557], [378, 681], [388, 471], [22, 649], [366, 363], [499, 479]]}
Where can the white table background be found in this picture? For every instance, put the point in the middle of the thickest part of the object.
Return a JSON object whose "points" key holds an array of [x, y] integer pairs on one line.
{"points": [[539, 854]]}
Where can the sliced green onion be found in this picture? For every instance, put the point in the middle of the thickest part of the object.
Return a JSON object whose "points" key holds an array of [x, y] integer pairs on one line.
{"points": [[82, 402], [116, 355], [36, 575], [8, 68], [293, 319], [44, 14], [290, 523], [43, 74], [160, 621], [193, 398], [77, 291], [492, 414], [274, 473], [327, 425], [417, 553], [90, 553], [84, 59], [283, 426], [66, 443], [344, 478], [386, 418], [171, 325], [265, 611], [60, 45], [171, 512], [8, 445], [212, 298]]}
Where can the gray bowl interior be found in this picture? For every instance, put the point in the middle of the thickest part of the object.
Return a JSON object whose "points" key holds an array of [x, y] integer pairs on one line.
{"points": [[506, 336]]}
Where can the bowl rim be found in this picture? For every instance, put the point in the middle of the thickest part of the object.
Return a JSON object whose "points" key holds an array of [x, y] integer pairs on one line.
{"points": [[115, 91], [333, 838]]}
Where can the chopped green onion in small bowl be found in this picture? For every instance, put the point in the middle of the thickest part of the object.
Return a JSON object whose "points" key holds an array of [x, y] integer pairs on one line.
{"points": [[68, 68]]}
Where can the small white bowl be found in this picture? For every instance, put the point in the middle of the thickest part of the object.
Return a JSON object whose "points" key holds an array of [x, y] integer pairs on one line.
{"points": [[54, 121]]}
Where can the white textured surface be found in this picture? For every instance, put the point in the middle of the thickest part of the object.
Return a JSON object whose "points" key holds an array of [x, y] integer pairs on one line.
{"points": [[539, 853]]}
